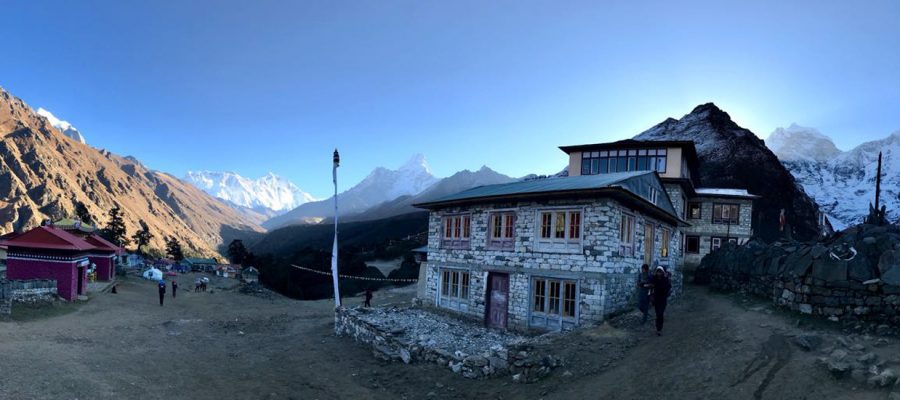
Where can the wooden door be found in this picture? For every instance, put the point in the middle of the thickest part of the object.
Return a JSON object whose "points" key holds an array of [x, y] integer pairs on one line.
{"points": [[648, 244], [498, 300]]}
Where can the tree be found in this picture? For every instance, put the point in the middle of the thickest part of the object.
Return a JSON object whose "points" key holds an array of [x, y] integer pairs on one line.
{"points": [[173, 248], [115, 229], [83, 214], [237, 253], [143, 236]]}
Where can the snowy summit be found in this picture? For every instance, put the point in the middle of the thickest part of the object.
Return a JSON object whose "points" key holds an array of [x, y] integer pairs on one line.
{"points": [[270, 191], [64, 126]]}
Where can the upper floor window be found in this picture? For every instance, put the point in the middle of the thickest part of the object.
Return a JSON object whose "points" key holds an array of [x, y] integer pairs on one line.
{"points": [[502, 230], [626, 235], [608, 161], [457, 230], [654, 195], [694, 211], [726, 214], [561, 226]]}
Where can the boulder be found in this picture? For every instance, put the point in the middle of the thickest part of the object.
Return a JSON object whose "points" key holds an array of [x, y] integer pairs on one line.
{"points": [[830, 270], [808, 342]]}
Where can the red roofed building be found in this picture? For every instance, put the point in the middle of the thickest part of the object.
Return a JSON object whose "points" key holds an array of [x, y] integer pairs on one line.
{"points": [[46, 252], [103, 256]]}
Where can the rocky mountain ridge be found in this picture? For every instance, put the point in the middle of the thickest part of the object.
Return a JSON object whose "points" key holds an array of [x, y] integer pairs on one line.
{"points": [[734, 157], [43, 174]]}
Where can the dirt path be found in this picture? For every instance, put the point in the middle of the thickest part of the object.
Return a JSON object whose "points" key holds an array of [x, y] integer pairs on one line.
{"points": [[226, 345]]}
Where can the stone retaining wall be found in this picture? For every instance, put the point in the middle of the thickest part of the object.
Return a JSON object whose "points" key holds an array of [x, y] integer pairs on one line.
{"points": [[855, 274], [26, 291], [389, 343]]}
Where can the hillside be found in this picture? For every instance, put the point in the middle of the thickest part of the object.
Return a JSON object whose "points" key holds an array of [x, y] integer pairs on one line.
{"points": [[732, 156], [841, 182], [43, 174]]}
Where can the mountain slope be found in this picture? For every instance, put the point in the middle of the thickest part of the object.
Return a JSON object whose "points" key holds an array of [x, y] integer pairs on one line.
{"points": [[269, 194], [842, 183], [63, 126], [731, 156], [43, 174], [379, 186], [458, 182]]}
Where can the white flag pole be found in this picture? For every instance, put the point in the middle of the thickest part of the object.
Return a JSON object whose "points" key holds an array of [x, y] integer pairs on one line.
{"points": [[334, 249]]}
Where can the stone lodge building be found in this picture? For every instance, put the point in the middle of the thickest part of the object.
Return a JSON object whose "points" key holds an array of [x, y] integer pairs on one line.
{"points": [[715, 215], [557, 253]]}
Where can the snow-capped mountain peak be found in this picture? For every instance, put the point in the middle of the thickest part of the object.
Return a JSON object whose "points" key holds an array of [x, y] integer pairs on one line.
{"points": [[416, 163], [64, 126], [841, 182], [270, 191], [799, 143]]}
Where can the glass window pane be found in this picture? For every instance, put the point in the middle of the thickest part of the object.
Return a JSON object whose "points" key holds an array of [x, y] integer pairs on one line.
{"points": [[539, 295], [585, 166], [553, 306], [464, 287], [642, 163], [642, 152], [604, 165], [595, 166], [661, 164], [651, 152], [560, 226], [631, 161], [622, 164], [632, 152], [603, 154], [661, 152]]}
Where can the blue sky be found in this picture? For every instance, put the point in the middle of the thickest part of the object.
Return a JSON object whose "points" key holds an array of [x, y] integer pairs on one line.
{"points": [[274, 86]]}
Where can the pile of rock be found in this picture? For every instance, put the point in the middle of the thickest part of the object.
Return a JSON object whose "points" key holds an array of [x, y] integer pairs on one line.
{"points": [[855, 273], [256, 289], [410, 334], [850, 359]]}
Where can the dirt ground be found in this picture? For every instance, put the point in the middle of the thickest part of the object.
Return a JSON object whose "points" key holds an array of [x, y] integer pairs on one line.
{"points": [[227, 345]]}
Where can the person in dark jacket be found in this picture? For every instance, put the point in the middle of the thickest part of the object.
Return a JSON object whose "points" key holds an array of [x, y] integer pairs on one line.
{"points": [[368, 298], [174, 288], [644, 284], [162, 291], [662, 286]]}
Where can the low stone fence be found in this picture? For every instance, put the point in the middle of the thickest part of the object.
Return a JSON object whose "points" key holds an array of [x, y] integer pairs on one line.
{"points": [[411, 334], [853, 275], [26, 291]]}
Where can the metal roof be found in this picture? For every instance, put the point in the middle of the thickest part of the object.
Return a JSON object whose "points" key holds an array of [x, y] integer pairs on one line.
{"points": [[49, 238], [725, 192], [635, 184]]}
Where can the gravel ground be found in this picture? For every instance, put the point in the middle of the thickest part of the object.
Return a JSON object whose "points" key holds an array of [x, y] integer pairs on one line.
{"points": [[228, 345]]}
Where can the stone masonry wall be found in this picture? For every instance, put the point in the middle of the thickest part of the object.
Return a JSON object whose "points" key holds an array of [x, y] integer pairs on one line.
{"points": [[25, 291], [408, 335], [606, 277]]}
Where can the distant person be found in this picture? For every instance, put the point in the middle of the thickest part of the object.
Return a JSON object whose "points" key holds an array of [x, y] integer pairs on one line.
{"points": [[162, 291], [174, 288], [662, 286], [644, 284], [114, 289], [368, 302]]}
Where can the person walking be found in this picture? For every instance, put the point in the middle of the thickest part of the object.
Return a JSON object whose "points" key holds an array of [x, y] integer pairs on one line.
{"points": [[174, 288], [162, 291], [368, 298], [644, 284], [662, 286]]}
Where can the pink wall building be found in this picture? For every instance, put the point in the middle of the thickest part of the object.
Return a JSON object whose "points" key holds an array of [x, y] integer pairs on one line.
{"points": [[46, 252]]}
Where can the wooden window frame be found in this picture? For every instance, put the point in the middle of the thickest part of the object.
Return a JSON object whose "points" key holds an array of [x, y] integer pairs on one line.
{"points": [[456, 230], [722, 240], [699, 210], [456, 284], [736, 220], [573, 223], [563, 302], [627, 248], [665, 248], [507, 230]]}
